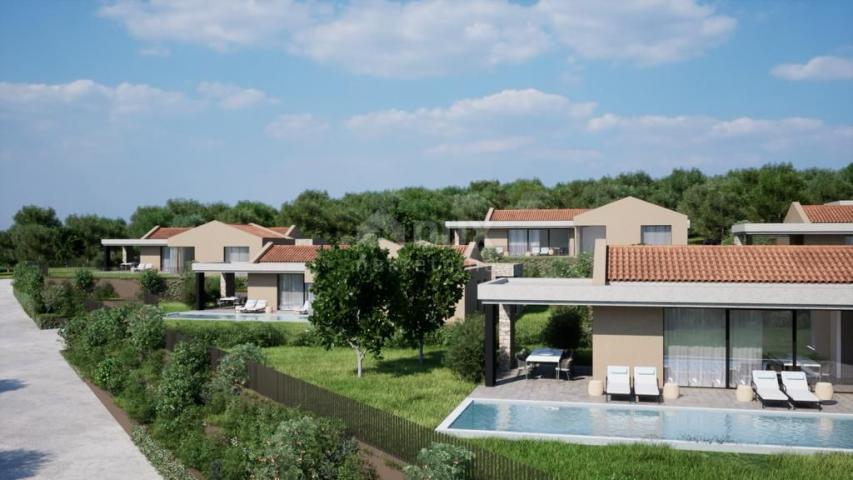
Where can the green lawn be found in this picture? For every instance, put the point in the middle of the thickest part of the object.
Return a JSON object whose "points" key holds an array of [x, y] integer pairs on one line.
{"points": [[68, 272], [169, 307], [397, 383], [529, 325]]}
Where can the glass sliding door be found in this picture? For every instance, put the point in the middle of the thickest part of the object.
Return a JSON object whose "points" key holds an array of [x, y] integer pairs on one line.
{"points": [[656, 235], [176, 259], [517, 242], [760, 340], [695, 346], [291, 291], [825, 345]]}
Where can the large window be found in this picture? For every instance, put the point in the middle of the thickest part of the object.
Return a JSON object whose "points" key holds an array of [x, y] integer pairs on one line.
{"points": [[760, 340], [538, 241], [656, 235], [291, 291], [236, 254], [176, 259], [589, 235], [695, 346]]}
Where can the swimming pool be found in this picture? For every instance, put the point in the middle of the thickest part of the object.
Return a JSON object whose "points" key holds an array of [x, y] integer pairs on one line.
{"points": [[238, 317], [753, 431]]}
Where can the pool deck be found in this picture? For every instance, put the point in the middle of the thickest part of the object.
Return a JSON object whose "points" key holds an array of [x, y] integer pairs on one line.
{"points": [[551, 390], [229, 315]]}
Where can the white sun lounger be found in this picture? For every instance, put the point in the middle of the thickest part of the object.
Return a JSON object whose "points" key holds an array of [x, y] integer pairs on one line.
{"points": [[249, 306], [306, 308], [797, 389], [646, 383], [618, 382], [766, 387]]}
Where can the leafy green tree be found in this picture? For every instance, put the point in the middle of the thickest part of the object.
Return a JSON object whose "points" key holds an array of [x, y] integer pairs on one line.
{"points": [[82, 237], [7, 251], [713, 207], [84, 281], [35, 215], [251, 212], [147, 217], [353, 289], [152, 283], [431, 280]]}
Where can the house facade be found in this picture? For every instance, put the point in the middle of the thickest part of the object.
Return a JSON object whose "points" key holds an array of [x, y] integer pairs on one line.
{"points": [[567, 232], [827, 224], [704, 316]]}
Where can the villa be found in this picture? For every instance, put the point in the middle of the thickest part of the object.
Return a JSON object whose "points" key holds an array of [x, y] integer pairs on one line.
{"points": [[828, 224], [569, 231], [703, 316]]}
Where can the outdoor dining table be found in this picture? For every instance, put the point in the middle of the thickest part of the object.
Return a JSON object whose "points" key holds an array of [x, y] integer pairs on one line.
{"points": [[545, 356]]}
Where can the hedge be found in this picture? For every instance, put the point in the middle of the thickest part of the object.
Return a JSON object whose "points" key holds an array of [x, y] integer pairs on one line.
{"points": [[162, 459]]}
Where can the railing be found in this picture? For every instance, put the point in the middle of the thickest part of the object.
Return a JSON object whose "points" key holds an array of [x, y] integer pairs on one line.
{"points": [[390, 433]]}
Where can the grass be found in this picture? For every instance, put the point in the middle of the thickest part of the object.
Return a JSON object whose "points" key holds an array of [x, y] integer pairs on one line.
{"points": [[68, 272], [424, 393], [529, 326], [169, 307]]}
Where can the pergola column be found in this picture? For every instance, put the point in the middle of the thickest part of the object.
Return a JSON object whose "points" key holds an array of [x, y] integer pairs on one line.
{"points": [[506, 336], [106, 258], [199, 291], [123, 254], [489, 344], [226, 283]]}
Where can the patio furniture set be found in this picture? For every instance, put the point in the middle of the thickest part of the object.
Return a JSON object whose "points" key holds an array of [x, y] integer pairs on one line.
{"points": [[561, 360]]}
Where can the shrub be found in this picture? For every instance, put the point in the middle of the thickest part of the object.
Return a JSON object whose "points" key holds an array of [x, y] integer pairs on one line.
{"points": [[490, 255], [47, 321], [309, 447], [152, 283], [55, 298], [162, 459], [465, 343], [84, 281], [233, 370], [137, 398], [308, 338], [104, 291], [110, 375], [564, 327], [183, 378], [105, 327], [28, 278], [146, 329], [186, 287], [441, 461]]}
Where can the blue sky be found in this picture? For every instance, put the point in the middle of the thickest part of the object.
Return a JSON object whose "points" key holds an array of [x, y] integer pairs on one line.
{"points": [[105, 106]]}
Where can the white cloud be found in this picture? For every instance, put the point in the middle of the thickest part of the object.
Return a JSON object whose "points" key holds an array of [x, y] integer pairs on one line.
{"points": [[818, 68], [122, 99], [233, 97], [433, 37], [295, 126], [467, 114], [480, 147]]}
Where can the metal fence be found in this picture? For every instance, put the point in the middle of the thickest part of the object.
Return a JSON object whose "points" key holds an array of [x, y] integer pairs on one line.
{"points": [[390, 433]]}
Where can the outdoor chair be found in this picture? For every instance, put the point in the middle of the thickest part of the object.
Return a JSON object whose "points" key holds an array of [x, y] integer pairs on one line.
{"points": [[565, 365], [766, 387], [524, 368], [796, 387], [618, 382], [646, 383], [247, 307]]}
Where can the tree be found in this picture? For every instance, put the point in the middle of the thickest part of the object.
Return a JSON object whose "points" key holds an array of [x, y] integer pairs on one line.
{"points": [[353, 288], [146, 218], [82, 237], [35, 215], [251, 212], [7, 251], [430, 282]]}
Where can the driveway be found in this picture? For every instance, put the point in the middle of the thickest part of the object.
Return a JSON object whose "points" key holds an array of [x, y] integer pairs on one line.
{"points": [[51, 424]]}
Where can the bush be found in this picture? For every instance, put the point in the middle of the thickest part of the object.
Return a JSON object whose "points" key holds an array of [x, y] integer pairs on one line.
{"points": [[183, 379], [56, 298], [105, 327], [564, 328], [104, 291], [232, 373], [465, 343], [152, 283], [137, 398], [30, 305], [186, 286], [162, 459], [309, 447], [28, 278], [490, 255], [84, 281], [111, 375], [146, 329], [46, 321], [441, 461]]}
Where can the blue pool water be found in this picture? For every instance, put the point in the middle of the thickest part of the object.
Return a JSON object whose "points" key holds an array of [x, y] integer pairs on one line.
{"points": [[239, 317], [708, 426]]}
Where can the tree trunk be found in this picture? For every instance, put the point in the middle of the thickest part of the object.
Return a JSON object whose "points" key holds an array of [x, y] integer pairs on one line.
{"points": [[359, 359], [421, 351]]}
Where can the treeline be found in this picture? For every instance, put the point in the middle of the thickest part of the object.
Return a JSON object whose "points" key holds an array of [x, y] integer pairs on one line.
{"points": [[713, 204]]}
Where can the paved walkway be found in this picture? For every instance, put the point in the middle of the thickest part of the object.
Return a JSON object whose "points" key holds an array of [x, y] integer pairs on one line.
{"points": [[51, 424]]}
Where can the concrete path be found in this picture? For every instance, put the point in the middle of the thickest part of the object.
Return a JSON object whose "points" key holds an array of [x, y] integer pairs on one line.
{"points": [[51, 424]]}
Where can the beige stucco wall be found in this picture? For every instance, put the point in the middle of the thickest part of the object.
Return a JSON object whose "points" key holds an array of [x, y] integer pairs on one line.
{"points": [[796, 214], [623, 219], [468, 303], [210, 240], [150, 255], [263, 286], [631, 336], [496, 238]]}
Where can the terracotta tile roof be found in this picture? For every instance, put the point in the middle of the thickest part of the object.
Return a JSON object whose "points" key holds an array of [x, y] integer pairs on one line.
{"points": [[536, 215], [163, 233], [714, 263], [829, 213], [292, 253], [257, 231], [281, 230], [460, 249]]}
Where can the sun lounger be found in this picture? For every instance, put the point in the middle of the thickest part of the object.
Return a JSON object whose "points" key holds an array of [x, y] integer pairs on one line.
{"points": [[646, 383], [766, 387], [248, 307], [260, 307], [618, 382], [306, 308], [797, 389]]}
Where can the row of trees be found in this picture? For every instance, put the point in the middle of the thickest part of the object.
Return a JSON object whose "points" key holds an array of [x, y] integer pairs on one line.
{"points": [[713, 204], [362, 297]]}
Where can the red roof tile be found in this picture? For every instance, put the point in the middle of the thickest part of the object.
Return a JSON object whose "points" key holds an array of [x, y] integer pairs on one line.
{"points": [[257, 231], [829, 213], [163, 233], [281, 230], [536, 215], [712, 263], [292, 253]]}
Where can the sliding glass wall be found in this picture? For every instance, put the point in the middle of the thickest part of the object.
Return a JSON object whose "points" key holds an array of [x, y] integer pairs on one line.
{"points": [[291, 291], [718, 347], [538, 241], [176, 259]]}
